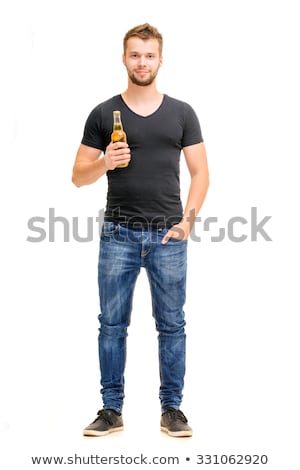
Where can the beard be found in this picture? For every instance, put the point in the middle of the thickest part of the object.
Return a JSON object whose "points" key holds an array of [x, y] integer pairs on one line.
{"points": [[142, 82]]}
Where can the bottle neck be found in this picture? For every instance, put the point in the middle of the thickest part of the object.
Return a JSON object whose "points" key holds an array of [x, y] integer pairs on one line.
{"points": [[117, 123]]}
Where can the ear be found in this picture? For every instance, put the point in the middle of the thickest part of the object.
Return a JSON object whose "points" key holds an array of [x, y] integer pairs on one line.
{"points": [[123, 59], [160, 61]]}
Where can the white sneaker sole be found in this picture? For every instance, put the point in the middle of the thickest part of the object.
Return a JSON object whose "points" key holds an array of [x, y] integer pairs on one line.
{"points": [[93, 433], [177, 433]]}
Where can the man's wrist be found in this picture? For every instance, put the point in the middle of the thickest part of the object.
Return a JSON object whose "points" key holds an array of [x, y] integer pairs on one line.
{"points": [[186, 220]]}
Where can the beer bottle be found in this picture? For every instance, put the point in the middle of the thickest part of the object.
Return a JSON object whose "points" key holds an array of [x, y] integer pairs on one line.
{"points": [[118, 134]]}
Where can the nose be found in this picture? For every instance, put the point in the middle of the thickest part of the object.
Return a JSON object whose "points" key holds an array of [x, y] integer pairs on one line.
{"points": [[142, 60]]}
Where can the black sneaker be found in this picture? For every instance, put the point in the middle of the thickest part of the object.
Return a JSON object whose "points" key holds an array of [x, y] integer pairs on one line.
{"points": [[175, 423], [107, 421]]}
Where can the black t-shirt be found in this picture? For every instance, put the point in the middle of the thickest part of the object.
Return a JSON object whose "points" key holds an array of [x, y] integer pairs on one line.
{"points": [[146, 192]]}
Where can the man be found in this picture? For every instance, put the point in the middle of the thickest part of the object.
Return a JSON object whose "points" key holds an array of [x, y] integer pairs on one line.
{"points": [[145, 224]]}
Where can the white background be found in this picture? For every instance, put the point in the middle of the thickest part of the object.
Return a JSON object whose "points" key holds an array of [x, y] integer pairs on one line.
{"points": [[237, 63]]}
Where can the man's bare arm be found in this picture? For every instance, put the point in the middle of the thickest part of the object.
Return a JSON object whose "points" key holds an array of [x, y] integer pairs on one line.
{"points": [[89, 167], [196, 160]]}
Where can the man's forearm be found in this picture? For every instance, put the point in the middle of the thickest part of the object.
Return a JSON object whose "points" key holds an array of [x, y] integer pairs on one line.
{"points": [[86, 172], [196, 196], [197, 192]]}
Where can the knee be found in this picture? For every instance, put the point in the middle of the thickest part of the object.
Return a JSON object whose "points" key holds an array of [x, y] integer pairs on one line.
{"points": [[113, 331], [173, 326]]}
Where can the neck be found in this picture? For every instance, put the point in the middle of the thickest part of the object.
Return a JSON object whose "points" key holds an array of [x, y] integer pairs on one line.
{"points": [[142, 100], [139, 94]]}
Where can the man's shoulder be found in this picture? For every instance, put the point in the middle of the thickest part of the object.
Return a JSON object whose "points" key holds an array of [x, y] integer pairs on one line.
{"points": [[176, 103], [108, 104]]}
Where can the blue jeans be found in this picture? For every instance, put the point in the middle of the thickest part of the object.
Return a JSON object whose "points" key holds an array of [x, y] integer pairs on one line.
{"points": [[123, 251]]}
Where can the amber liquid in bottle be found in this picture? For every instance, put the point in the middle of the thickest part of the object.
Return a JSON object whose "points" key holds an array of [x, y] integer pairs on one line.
{"points": [[118, 134]]}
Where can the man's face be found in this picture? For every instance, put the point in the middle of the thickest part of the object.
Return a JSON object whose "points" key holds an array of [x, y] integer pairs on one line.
{"points": [[142, 60]]}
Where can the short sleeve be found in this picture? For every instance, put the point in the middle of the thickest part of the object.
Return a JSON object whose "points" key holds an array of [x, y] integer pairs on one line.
{"points": [[192, 131], [92, 135]]}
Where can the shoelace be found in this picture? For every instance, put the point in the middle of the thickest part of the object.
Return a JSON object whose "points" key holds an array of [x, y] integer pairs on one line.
{"points": [[104, 415], [176, 414]]}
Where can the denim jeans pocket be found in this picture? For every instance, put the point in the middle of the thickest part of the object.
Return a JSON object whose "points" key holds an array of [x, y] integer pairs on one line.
{"points": [[177, 240], [108, 229], [174, 240]]}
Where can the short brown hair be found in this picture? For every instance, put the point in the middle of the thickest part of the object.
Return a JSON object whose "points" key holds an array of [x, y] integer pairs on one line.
{"points": [[144, 31]]}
